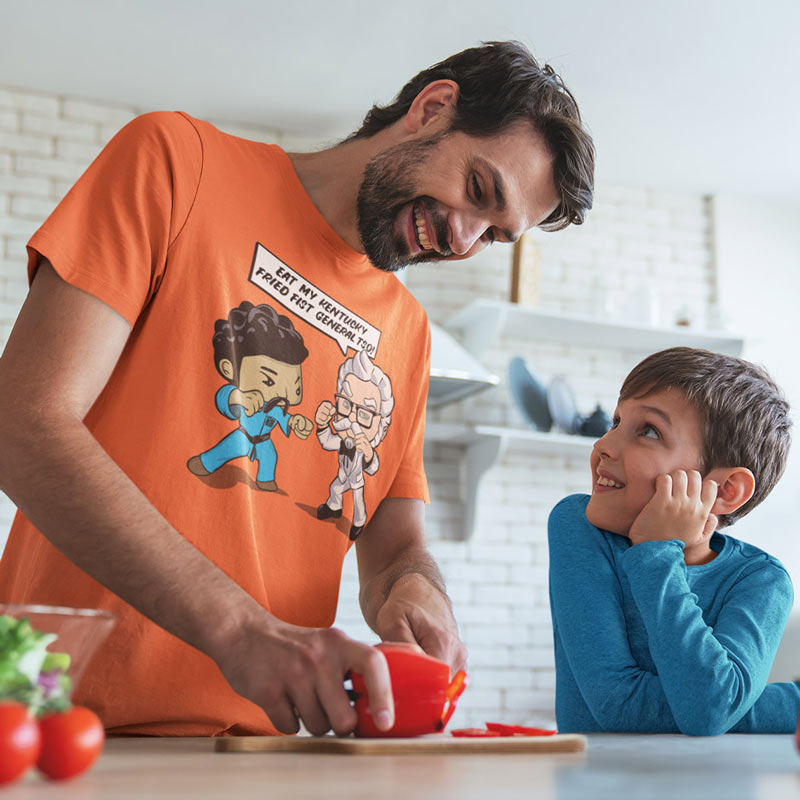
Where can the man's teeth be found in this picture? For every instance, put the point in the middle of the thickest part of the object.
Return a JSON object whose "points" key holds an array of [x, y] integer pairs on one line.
{"points": [[421, 232], [608, 482]]}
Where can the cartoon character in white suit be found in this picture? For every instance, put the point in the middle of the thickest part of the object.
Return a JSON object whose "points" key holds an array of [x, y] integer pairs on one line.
{"points": [[354, 425]]}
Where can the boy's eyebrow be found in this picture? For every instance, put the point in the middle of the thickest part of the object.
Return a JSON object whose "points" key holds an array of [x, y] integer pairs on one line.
{"points": [[659, 412]]}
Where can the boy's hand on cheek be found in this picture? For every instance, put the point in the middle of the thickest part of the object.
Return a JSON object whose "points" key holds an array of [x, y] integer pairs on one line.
{"points": [[679, 509]]}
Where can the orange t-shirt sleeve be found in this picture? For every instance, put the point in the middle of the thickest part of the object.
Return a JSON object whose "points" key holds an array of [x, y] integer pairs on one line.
{"points": [[410, 480], [110, 235]]}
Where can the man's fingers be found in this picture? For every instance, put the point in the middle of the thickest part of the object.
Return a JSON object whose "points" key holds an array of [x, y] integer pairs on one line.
{"points": [[372, 666], [311, 711], [282, 716], [333, 698]]}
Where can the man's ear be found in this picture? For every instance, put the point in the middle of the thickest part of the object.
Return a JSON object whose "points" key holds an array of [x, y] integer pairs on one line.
{"points": [[735, 487], [226, 368], [432, 108]]}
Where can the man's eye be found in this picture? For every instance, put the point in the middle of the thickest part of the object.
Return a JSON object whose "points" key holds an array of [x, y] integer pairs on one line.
{"points": [[477, 192], [650, 432], [269, 382]]}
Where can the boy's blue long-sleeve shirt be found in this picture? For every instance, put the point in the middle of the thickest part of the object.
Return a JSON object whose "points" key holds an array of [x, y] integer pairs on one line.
{"points": [[645, 643]]}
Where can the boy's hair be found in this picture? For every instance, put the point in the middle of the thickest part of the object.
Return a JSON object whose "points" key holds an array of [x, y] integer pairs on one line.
{"points": [[744, 417], [500, 83]]}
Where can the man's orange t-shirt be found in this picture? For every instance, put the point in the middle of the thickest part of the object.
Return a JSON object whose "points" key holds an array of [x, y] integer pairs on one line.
{"points": [[198, 239]]}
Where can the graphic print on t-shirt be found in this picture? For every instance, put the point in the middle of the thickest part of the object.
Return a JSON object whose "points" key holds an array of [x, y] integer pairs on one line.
{"points": [[260, 355], [356, 418]]}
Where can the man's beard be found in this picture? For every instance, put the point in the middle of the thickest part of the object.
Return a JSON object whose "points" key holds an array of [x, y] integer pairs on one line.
{"points": [[387, 186]]}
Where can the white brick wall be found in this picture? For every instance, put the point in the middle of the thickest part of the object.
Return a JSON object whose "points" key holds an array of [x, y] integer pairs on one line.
{"points": [[633, 238]]}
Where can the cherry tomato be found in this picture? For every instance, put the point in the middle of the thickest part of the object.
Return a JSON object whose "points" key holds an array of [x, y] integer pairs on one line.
{"points": [[71, 742], [20, 741]]}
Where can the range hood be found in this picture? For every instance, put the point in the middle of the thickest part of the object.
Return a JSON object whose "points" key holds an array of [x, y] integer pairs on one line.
{"points": [[455, 374]]}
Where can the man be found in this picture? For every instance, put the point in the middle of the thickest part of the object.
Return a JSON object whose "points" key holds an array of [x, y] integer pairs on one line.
{"points": [[225, 593], [360, 419]]}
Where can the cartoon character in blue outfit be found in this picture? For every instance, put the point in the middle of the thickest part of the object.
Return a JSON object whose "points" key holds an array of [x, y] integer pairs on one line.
{"points": [[259, 353]]}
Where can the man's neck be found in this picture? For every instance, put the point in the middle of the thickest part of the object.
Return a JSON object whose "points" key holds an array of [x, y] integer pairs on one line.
{"points": [[333, 177]]}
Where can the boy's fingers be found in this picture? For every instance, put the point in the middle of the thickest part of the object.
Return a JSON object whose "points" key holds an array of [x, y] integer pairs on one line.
{"points": [[710, 526], [664, 485], [679, 483], [694, 484], [709, 493]]}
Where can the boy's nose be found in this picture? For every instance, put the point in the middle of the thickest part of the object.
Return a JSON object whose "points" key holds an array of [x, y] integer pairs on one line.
{"points": [[605, 446]]}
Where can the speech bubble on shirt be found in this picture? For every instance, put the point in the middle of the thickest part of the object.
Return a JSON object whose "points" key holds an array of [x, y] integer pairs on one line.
{"points": [[311, 304]]}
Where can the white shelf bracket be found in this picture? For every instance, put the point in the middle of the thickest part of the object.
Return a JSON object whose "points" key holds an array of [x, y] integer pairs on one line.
{"points": [[485, 330], [480, 456]]}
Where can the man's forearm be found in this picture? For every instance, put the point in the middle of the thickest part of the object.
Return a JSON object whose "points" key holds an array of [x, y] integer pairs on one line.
{"points": [[75, 494]]}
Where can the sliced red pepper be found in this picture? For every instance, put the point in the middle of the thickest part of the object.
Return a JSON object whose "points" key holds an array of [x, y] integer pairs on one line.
{"points": [[518, 730], [474, 733]]}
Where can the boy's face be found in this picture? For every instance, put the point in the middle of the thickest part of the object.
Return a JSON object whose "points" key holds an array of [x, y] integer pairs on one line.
{"points": [[652, 435]]}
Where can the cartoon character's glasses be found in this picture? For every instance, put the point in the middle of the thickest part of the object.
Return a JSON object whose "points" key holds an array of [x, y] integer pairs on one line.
{"points": [[345, 406]]}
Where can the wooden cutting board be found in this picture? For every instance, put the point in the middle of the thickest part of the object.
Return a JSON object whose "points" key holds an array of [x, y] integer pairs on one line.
{"points": [[435, 743]]}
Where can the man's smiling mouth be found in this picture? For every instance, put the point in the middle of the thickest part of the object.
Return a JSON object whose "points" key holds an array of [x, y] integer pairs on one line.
{"points": [[423, 238]]}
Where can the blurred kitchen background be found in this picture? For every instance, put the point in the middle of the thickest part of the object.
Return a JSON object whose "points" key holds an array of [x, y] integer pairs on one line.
{"points": [[694, 238]]}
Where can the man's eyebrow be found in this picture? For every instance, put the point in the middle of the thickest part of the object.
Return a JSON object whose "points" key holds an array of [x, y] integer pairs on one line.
{"points": [[659, 412], [267, 369]]}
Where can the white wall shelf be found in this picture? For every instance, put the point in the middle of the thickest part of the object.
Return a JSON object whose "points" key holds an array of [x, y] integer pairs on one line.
{"points": [[483, 322], [485, 445]]}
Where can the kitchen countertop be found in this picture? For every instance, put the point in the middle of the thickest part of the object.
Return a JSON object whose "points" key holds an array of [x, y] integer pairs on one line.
{"points": [[622, 767]]}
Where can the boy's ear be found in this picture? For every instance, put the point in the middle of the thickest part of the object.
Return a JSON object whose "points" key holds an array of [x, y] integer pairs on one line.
{"points": [[735, 487], [432, 107]]}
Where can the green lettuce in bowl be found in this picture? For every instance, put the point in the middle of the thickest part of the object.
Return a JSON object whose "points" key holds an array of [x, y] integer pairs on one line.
{"points": [[41, 678]]}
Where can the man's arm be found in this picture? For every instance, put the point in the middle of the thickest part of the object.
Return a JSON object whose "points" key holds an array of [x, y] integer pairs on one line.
{"points": [[59, 356], [403, 596]]}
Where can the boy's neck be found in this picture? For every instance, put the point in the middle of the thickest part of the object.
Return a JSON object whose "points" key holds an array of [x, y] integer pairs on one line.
{"points": [[699, 554]]}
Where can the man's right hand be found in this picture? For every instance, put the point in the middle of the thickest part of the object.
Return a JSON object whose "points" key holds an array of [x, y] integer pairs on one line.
{"points": [[297, 673]]}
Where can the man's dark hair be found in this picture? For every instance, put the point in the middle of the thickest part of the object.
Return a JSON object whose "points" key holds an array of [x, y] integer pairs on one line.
{"points": [[256, 331], [500, 83], [744, 417]]}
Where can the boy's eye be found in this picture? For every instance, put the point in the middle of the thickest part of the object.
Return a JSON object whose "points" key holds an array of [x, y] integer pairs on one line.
{"points": [[614, 423], [650, 432]]}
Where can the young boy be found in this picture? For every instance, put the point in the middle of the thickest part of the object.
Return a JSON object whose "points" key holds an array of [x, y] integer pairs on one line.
{"points": [[661, 623]]}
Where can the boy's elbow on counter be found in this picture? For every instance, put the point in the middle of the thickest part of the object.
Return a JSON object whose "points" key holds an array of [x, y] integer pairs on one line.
{"points": [[709, 723]]}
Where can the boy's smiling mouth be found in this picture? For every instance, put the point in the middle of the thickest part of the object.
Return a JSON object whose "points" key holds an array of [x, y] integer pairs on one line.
{"points": [[607, 482]]}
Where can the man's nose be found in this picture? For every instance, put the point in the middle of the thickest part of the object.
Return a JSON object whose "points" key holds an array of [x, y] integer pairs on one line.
{"points": [[465, 231]]}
